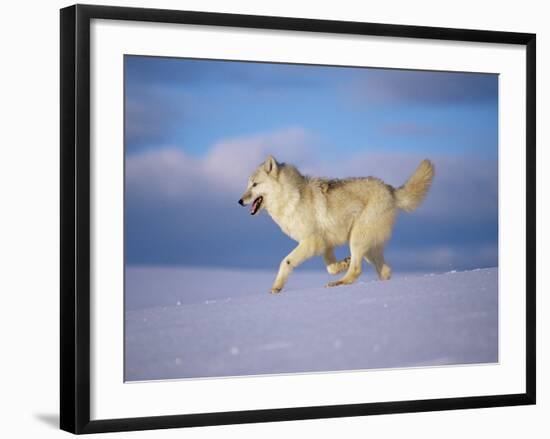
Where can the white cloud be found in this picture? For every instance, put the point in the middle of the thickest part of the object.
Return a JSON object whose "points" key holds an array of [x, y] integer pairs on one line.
{"points": [[202, 191], [463, 189], [168, 173], [231, 162]]}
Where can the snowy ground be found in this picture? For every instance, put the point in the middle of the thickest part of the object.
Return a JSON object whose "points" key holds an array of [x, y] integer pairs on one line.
{"points": [[189, 323]]}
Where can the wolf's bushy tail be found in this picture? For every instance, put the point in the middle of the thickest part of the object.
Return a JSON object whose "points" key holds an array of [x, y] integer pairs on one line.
{"points": [[409, 196]]}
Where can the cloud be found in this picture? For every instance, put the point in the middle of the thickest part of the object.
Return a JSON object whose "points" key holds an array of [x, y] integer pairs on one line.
{"points": [[182, 209], [233, 160], [168, 173], [425, 87]]}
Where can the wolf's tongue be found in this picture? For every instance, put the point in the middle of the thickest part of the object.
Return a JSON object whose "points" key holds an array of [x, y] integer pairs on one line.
{"points": [[255, 206]]}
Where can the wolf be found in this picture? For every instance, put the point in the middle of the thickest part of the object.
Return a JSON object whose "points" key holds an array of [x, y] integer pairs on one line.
{"points": [[321, 214]]}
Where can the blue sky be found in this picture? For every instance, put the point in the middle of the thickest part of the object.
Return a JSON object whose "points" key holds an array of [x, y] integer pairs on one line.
{"points": [[194, 129]]}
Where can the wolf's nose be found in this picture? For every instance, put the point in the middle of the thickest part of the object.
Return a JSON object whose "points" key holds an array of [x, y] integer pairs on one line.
{"points": [[241, 202]]}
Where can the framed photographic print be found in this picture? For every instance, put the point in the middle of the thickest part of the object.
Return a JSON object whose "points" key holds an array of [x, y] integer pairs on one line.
{"points": [[274, 218]]}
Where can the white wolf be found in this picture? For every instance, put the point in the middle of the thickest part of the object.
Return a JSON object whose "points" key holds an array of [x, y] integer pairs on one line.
{"points": [[322, 214]]}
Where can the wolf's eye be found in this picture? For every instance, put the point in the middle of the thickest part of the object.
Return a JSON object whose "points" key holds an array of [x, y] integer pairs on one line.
{"points": [[254, 184]]}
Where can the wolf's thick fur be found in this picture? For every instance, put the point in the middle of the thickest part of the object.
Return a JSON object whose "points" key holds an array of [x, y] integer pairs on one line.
{"points": [[322, 214]]}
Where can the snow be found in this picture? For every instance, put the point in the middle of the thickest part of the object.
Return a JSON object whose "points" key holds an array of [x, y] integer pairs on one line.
{"points": [[192, 323]]}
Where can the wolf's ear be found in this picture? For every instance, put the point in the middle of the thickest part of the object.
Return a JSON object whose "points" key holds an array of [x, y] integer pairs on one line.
{"points": [[271, 165]]}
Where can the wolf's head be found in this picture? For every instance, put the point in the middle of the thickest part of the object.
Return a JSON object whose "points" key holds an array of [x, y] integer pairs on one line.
{"points": [[262, 184]]}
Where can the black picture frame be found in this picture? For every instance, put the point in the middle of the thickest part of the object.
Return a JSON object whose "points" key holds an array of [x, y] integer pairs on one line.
{"points": [[75, 217]]}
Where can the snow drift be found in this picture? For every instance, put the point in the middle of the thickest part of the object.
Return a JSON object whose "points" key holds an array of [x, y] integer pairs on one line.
{"points": [[191, 323]]}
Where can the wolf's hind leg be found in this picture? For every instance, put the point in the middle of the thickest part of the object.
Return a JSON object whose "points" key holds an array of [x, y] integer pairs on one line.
{"points": [[334, 266], [376, 257], [354, 269], [305, 250], [372, 230]]}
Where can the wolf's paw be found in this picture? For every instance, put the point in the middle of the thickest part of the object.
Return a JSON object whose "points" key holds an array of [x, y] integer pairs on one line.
{"points": [[385, 273], [338, 267], [334, 283], [275, 290]]}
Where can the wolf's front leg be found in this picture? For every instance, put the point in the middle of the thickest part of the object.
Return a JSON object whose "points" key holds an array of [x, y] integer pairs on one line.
{"points": [[305, 250]]}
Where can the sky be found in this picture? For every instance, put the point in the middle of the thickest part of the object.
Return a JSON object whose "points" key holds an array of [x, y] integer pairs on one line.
{"points": [[195, 129]]}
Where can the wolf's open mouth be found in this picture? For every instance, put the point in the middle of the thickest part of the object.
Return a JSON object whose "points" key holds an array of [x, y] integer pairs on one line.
{"points": [[256, 205]]}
